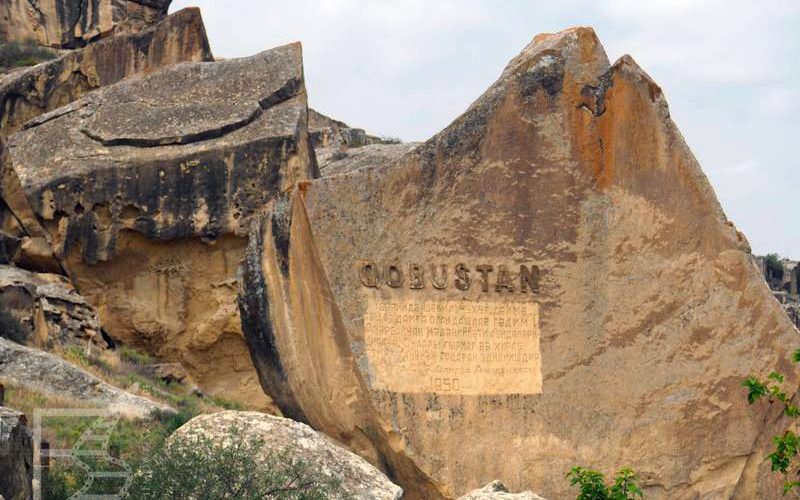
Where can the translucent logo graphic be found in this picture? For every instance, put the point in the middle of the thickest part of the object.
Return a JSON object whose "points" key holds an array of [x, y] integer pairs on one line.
{"points": [[103, 476]]}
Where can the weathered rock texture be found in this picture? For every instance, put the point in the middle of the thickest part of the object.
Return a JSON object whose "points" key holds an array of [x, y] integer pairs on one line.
{"points": [[28, 93], [497, 491], [649, 311], [74, 23], [42, 372], [325, 459], [334, 161], [146, 192], [49, 309], [16, 456], [326, 132]]}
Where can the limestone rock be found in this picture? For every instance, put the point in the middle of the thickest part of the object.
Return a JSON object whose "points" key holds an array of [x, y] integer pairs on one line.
{"points": [[359, 479], [334, 161], [16, 456], [567, 319], [74, 23], [49, 309], [39, 371], [326, 132], [497, 491], [28, 93], [146, 192]]}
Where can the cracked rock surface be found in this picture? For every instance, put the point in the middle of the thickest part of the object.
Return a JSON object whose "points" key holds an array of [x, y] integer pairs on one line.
{"points": [[16, 455]]}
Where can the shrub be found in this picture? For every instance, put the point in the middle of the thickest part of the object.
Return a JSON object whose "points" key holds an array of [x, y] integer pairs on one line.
{"points": [[593, 487], [773, 266], [17, 55], [785, 459], [235, 468], [134, 357]]}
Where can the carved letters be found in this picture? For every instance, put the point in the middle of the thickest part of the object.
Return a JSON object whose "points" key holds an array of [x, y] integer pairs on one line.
{"points": [[415, 276]]}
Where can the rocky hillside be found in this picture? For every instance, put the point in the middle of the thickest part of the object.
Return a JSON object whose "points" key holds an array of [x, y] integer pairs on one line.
{"points": [[549, 281]]}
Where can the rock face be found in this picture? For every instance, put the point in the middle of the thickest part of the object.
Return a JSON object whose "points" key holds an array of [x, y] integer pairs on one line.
{"points": [[74, 23], [28, 93], [334, 161], [497, 491], [146, 193], [42, 372], [49, 309], [16, 456], [527, 291], [359, 479], [325, 132]]}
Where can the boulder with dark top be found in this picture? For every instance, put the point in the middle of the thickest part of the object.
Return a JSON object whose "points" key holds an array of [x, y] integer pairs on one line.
{"points": [[146, 192]]}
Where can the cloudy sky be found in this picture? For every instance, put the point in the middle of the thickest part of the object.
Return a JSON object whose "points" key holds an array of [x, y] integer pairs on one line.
{"points": [[406, 68]]}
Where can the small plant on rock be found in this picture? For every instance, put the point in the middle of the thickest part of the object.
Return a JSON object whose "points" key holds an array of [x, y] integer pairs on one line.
{"points": [[593, 486], [785, 459]]}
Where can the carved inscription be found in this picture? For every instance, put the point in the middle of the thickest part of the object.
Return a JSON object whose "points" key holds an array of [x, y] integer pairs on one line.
{"points": [[453, 347], [486, 277]]}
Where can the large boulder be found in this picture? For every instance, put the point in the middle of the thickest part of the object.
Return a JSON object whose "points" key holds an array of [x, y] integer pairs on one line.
{"points": [[16, 456], [323, 458], [74, 23], [32, 92], [548, 282], [47, 310], [146, 190]]}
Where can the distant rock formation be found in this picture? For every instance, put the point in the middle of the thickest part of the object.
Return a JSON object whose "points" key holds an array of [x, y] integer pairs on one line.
{"points": [[549, 281], [74, 23], [325, 132], [358, 479], [16, 456], [783, 278]]}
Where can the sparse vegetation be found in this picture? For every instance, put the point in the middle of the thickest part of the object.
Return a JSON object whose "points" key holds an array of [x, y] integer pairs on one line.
{"points": [[785, 459], [233, 468], [133, 356], [593, 486], [18, 55], [774, 267]]}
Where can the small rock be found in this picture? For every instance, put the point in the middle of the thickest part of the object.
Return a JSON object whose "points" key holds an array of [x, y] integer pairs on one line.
{"points": [[498, 491]]}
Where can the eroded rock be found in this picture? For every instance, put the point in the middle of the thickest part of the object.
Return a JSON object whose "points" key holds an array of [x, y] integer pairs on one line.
{"points": [[16, 455], [146, 192], [574, 324], [74, 23], [325, 459], [49, 310]]}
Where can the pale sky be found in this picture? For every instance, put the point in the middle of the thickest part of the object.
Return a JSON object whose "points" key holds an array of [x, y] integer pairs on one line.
{"points": [[730, 70]]}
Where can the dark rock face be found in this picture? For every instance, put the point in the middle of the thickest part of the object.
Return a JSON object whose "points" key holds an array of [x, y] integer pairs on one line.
{"points": [[74, 23], [145, 193], [565, 200], [16, 456]]}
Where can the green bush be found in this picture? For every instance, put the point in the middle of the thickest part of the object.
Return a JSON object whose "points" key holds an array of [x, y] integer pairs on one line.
{"points": [[593, 486], [785, 459], [134, 357], [774, 267], [17, 55], [235, 468]]}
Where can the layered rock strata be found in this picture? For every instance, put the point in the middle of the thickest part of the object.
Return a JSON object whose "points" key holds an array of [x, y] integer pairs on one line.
{"points": [[527, 291], [146, 193], [74, 23], [48, 310]]}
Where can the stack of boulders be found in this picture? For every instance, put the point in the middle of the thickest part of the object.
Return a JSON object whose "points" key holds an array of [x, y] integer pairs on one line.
{"points": [[585, 300]]}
